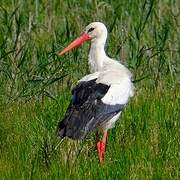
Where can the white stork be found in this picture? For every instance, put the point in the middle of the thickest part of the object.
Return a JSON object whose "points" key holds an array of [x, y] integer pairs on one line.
{"points": [[99, 98]]}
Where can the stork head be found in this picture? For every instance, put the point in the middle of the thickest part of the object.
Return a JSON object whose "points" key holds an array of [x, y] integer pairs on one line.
{"points": [[95, 32]]}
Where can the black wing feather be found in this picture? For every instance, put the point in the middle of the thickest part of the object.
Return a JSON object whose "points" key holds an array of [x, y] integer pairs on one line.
{"points": [[86, 111]]}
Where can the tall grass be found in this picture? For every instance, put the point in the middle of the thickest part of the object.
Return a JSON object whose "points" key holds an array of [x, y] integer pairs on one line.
{"points": [[36, 83]]}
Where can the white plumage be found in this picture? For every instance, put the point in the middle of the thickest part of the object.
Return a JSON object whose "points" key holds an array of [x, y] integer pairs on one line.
{"points": [[108, 71]]}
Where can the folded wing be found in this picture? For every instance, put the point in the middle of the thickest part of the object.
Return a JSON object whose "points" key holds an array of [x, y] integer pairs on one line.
{"points": [[87, 110]]}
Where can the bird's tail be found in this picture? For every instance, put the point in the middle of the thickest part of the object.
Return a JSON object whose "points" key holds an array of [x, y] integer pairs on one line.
{"points": [[71, 127], [61, 129]]}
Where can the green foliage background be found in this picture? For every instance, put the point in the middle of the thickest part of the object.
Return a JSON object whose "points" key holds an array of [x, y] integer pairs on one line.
{"points": [[35, 89]]}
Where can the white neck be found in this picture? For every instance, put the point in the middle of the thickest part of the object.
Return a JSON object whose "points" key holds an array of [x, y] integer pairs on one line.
{"points": [[97, 54]]}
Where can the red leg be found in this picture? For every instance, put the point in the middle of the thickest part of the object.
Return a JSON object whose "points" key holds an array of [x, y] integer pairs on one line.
{"points": [[101, 146]]}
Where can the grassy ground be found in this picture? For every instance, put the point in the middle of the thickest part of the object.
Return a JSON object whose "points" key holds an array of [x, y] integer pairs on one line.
{"points": [[35, 89]]}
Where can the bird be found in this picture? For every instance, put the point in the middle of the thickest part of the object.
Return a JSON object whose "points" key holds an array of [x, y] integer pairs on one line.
{"points": [[99, 97]]}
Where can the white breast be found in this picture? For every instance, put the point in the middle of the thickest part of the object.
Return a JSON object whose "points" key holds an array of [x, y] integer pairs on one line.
{"points": [[90, 77]]}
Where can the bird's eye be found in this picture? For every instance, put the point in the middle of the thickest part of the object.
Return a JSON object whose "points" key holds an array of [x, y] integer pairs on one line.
{"points": [[91, 29]]}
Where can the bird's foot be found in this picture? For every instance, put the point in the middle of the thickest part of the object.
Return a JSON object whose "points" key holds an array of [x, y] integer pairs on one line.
{"points": [[100, 149]]}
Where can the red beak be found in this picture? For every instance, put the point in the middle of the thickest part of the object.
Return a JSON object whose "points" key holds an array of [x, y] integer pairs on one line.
{"points": [[78, 41]]}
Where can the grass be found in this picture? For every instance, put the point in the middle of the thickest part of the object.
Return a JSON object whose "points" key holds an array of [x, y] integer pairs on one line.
{"points": [[35, 89]]}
